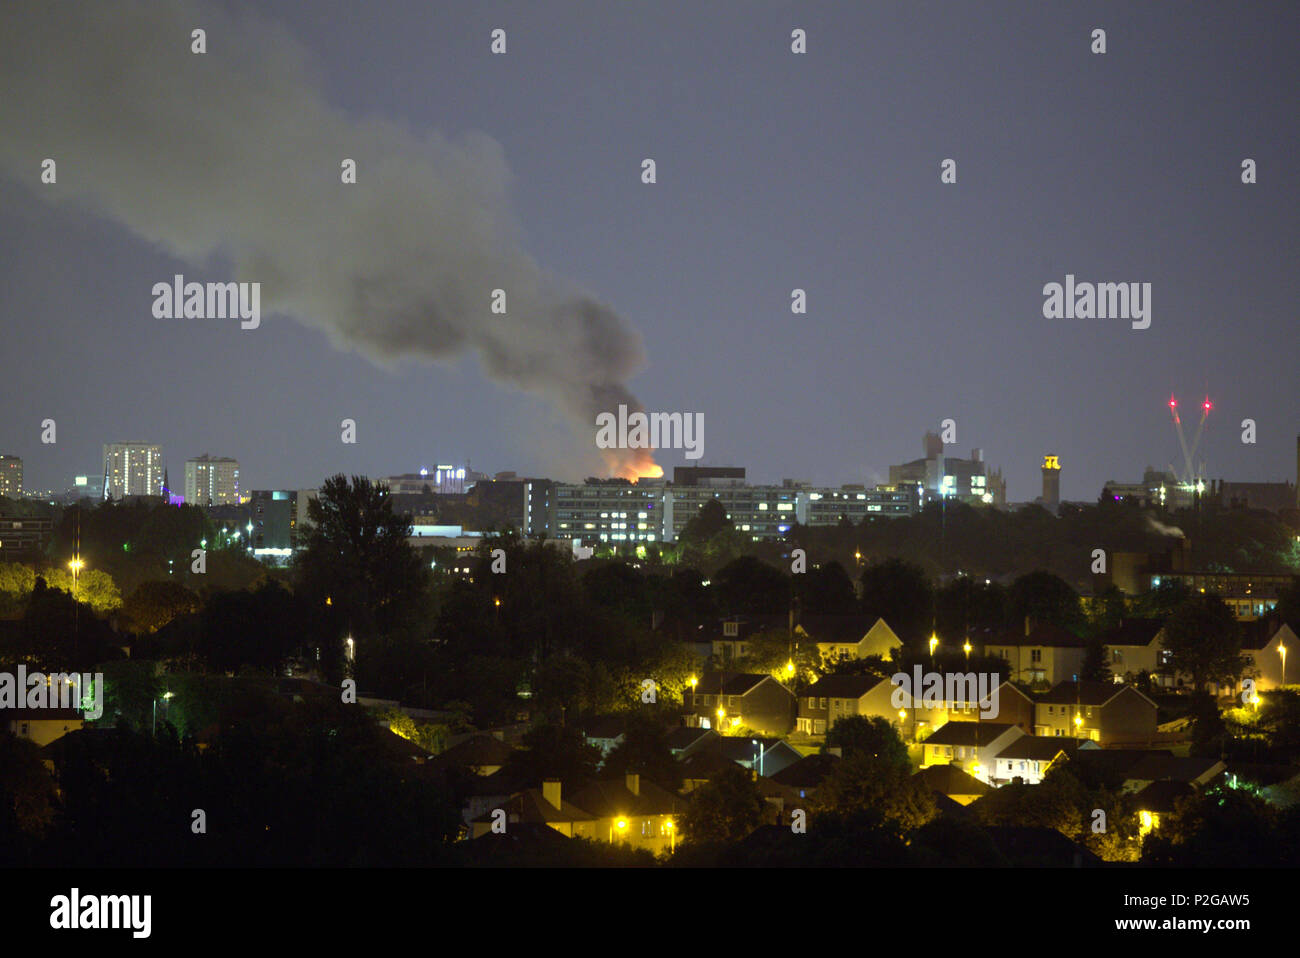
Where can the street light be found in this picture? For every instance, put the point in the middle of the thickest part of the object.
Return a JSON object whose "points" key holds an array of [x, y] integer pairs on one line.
{"points": [[966, 648], [76, 565], [1281, 650], [934, 642]]}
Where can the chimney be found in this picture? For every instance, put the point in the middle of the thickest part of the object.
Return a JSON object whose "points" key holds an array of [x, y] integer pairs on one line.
{"points": [[977, 455], [551, 791], [835, 750], [1029, 625], [634, 783]]}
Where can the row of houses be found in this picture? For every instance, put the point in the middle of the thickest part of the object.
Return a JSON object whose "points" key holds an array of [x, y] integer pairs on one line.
{"points": [[1106, 713], [1039, 654]]}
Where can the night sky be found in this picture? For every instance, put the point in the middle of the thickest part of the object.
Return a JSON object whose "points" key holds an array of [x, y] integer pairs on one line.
{"points": [[775, 171]]}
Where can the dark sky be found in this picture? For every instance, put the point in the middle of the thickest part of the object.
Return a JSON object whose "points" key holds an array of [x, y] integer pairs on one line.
{"points": [[775, 171]]}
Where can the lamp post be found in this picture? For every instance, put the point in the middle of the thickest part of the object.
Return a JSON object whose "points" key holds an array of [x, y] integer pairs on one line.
{"points": [[1281, 650], [761, 751], [166, 698]]}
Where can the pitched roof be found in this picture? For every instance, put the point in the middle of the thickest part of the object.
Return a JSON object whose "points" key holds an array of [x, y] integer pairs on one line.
{"points": [[1163, 796], [967, 733], [837, 628], [604, 726], [950, 780], [1025, 845], [530, 806], [478, 750], [808, 772], [47, 714], [1257, 634], [1140, 632], [1046, 635], [1160, 766], [705, 764], [1086, 693], [843, 686], [736, 683], [608, 797], [684, 736], [1040, 748]]}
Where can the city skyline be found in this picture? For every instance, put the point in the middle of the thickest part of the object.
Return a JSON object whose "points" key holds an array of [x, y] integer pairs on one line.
{"points": [[801, 176]]}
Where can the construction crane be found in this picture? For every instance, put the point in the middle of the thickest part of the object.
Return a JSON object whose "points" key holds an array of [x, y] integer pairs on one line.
{"points": [[1190, 475]]}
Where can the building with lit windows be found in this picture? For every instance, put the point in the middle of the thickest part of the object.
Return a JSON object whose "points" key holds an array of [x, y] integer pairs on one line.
{"points": [[11, 477], [616, 510], [212, 481], [940, 476], [133, 469]]}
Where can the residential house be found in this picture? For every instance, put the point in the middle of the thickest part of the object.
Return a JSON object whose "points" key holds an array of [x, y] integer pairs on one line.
{"points": [[1261, 645], [833, 697], [1135, 646], [1030, 757], [952, 783], [1040, 655], [732, 699], [41, 725], [845, 637], [806, 775], [633, 810], [971, 746], [1107, 713], [481, 754], [605, 733], [545, 805]]}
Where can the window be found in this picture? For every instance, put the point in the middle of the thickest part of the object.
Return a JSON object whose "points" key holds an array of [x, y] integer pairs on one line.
{"points": [[1035, 655], [730, 629]]}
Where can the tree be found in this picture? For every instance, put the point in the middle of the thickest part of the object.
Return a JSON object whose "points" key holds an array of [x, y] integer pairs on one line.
{"points": [[644, 751], [825, 590], [872, 736], [154, 604], [256, 629], [900, 593], [1203, 639], [725, 809], [358, 559], [92, 587], [1047, 599], [865, 783], [552, 751], [1095, 668], [27, 793], [1209, 731], [750, 586]]}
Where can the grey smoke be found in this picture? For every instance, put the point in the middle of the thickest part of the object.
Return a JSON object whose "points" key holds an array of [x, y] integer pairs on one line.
{"points": [[233, 158]]}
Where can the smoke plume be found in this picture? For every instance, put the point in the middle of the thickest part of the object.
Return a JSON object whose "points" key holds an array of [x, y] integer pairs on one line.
{"points": [[234, 156]]}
